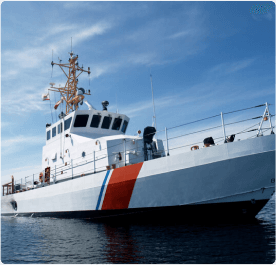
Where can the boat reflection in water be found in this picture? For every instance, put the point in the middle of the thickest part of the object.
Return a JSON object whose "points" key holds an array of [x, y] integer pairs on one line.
{"points": [[85, 241]]}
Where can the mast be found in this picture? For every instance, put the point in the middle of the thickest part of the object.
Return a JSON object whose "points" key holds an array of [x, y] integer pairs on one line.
{"points": [[154, 116], [70, 93]]}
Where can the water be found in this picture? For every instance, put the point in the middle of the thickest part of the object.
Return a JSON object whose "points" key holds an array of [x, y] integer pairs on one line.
{"points": [[48, 240]]}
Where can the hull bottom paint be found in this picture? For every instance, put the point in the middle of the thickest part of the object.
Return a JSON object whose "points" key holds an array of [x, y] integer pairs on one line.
{"points": [[218, 211]]}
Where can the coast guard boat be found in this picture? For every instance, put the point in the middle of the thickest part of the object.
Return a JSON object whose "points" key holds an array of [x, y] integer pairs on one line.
{"points": [[92, 169]]}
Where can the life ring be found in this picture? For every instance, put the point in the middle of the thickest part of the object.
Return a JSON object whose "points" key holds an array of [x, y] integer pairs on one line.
{"points": [[195, 147], [41, 177]]}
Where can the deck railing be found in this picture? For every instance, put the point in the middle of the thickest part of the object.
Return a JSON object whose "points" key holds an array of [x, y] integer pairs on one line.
{"points": [[172, 142]]}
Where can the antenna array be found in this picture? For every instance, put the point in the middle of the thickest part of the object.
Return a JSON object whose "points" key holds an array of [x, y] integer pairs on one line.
{"points": [[70, 93]]}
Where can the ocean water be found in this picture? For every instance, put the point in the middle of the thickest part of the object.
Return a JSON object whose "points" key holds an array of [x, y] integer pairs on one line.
{"points": [[49, 240]]}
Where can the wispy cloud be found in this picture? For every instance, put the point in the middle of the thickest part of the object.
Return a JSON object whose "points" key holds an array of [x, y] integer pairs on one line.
{"points": [[5, 124], [160, 103], [55, 31], [270, 16], [181, 34], [32, 57], [231, 67], [98, 29], [92, 6], [142, 58], [21, 139], [26, 99], [25, 96]]}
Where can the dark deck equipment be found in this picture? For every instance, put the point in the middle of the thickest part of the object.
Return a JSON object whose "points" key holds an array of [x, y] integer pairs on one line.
{"points": [[208, 140], [148, 134]]}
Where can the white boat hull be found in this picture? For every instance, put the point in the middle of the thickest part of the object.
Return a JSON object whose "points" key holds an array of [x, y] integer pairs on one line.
{"points": [[228, 180]]}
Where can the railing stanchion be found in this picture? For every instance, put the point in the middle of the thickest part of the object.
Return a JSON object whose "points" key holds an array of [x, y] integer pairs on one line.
{"points": [[125, 150], [94, 162], [167, 141], [72, 166], [261, 124], [55, 174], [33, 181], [223, 127], [269, 118]]}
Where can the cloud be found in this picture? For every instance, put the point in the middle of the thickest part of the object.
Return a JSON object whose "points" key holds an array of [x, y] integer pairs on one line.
{"points": [[270, 16], [56, 30], [33, 57], [142, 58], [92, 6], [181, 34], [231, 67], [5, 124], [161, 102], [98, 29], [236, 66], [20, 139], [26, 98]]}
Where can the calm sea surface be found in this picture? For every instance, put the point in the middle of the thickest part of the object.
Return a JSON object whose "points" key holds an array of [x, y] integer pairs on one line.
{"points": [[47, 240]]}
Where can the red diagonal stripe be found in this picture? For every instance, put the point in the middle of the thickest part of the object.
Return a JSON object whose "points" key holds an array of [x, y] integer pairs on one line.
{"points": [[120, 187]]}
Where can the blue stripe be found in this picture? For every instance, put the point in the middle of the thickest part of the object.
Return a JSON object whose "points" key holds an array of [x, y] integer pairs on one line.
{"points": [[102, 189]]}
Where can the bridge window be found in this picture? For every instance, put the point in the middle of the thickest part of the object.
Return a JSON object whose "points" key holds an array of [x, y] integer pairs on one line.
{"points": [[124, 126], [54, 131], [106, 122], [60, 128], [117, 124], [49, 135], [95, 121], [81, 120], [67, 123]]}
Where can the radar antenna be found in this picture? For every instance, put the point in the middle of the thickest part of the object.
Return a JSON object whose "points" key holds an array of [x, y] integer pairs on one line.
{"points": [[70, 93]]}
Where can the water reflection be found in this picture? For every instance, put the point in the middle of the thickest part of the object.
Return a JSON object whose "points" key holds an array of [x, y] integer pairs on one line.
{"points": [[45, 240], [122, 246]]}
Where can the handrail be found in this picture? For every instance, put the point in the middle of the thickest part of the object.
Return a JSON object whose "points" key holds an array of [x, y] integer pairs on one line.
{"points": [[162, 140], [63, 169]]}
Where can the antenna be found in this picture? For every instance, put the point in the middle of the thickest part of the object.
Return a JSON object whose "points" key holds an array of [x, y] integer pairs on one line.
{"points": [[154, 116], [116, 104], [71, 45], [51, 111], [88, 74], [52, 63]]}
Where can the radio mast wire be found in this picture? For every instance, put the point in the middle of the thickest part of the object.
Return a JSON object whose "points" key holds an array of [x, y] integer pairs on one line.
{"points": [[55, 109], [116, 104], [154, 116], [51, 109], [52, 62]]}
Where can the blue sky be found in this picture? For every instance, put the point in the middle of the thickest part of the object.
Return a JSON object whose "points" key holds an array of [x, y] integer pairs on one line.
{"points": [[205, 57]]}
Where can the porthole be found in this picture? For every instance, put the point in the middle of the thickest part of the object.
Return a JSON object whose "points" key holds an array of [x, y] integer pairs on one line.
{"points": [[14, 205]]}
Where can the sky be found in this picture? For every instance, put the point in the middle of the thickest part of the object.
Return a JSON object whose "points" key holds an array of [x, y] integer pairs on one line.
{"points": [[205, 58]]}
